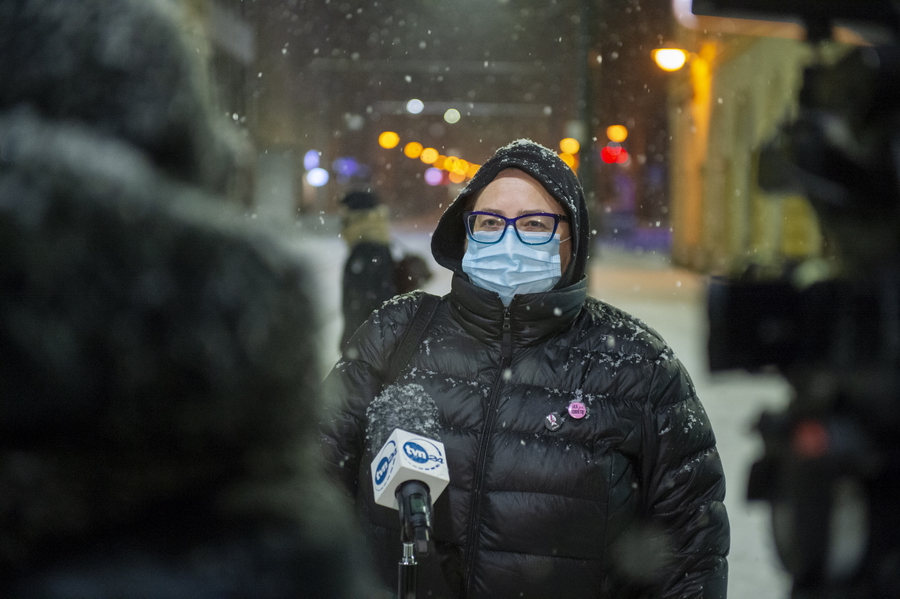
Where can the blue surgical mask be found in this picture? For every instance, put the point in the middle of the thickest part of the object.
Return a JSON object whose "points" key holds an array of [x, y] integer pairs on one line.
{"points": [[511, 267]]}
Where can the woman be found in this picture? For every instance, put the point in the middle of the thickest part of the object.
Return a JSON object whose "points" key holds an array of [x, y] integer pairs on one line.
{"points": [[581, 462]]}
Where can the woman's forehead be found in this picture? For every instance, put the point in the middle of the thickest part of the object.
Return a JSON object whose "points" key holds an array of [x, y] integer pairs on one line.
{"points": [[513, 191]]}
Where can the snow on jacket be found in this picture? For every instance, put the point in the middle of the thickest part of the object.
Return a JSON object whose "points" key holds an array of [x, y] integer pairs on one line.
{"points": [[624, 502]]}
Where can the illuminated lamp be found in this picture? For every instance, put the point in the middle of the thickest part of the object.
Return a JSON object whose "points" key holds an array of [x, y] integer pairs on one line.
{"points": [[317, 177], [669, 59], [569, 145], [434, 176], [346, 166], [311, 160], [388, 140], [617, 133], [613, 154], [429, 155], [457, 177], [415, 106], [413, 149]]}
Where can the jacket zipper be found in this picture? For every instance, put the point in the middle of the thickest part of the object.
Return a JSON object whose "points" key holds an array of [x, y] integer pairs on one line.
{"points": [[505, 359]]}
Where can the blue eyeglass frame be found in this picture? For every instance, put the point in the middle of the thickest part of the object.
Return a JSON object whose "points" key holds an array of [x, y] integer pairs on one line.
{"points": [[557, 218]]}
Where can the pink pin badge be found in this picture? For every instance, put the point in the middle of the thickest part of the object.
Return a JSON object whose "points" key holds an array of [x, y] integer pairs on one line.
{"points": [[577, 410]]}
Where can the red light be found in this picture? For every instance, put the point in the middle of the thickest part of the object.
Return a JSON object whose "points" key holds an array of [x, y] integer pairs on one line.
{"points": [[613, 154], [810, 439]]}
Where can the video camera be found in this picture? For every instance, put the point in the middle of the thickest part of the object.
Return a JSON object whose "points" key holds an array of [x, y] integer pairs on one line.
{"points": [[831, 462]]}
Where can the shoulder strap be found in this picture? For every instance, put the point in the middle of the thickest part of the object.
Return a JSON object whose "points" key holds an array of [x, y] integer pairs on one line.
{"points": [[413, 335]]}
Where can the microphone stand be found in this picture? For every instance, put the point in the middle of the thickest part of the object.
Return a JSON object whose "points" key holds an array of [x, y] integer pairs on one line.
{"points": [[414, 502], [406, 570]]}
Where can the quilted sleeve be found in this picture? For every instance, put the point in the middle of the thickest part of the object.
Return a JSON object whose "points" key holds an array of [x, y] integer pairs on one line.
{"points": [[353, 383], [684, 487]]}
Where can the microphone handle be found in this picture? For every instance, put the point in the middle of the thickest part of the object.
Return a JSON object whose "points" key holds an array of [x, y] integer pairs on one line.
{"points": [[414, 501]]}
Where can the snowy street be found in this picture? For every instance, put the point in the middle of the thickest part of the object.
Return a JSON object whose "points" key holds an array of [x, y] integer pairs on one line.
{"points": [[672, 301]]}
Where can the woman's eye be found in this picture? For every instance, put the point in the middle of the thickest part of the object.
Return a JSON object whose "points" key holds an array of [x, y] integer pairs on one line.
{"points": [[534, 225]]}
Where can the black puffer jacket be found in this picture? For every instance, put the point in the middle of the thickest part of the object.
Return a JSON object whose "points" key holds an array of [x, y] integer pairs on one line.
{"points": [[625, 502]]}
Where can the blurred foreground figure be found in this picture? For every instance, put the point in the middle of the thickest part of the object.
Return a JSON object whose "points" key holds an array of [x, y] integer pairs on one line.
{"points": [[159, 379]]}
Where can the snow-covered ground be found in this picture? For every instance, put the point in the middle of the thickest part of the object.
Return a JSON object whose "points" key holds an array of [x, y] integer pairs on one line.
{"points": [[672, 301]]}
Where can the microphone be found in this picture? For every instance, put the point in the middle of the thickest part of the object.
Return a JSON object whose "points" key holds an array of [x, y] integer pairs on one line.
{"points": [[410, 469]]}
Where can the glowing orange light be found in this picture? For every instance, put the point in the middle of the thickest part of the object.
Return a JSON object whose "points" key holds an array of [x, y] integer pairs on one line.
{"points": [[669, 59], [388, 140], [429, 155], [568, 159], [569, 145], [617, 133], [473, 168], [413, 149], [457, 177], [450, 163]]}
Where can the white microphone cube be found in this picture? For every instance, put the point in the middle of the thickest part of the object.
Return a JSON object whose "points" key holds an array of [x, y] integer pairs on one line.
{"points": [[406, 456]]}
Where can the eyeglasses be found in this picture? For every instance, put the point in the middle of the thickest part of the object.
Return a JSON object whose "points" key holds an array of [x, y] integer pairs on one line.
{"points": [[531, 229]]}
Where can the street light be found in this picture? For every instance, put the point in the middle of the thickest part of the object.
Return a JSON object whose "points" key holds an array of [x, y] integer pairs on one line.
{"points": [[670, 59]]}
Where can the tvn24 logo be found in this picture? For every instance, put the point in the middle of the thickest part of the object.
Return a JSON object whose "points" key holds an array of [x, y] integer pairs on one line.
{"points": [[423, 451], [421, 454]]}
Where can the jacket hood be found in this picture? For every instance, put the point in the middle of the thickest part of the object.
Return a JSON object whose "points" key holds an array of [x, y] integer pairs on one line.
{"points": [[448, 242]]}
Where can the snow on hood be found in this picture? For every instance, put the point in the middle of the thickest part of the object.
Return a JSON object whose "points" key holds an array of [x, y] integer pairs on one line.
{"points": [[448, 242]]}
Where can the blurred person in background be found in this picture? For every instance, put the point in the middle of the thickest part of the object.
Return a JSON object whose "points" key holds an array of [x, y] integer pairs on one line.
{"points": [[159, 376], [582, 464], [371, 273], [368, 279]]}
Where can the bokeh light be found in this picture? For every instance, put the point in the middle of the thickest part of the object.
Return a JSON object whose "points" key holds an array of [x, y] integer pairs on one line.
{"points": [[311, 160], [568, 159], [429, 155], [415, 106], [412, 150], [388, 140], [669, 59], [317, 177], [613, 153], [569, 145], [449, 168], [617, 133], [434, 176], [457, 177], [452, 116]]}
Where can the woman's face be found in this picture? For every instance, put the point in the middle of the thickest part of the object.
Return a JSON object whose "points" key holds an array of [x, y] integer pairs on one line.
{"points": [[514, 193]]}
